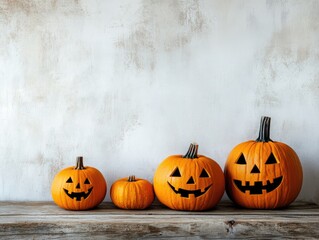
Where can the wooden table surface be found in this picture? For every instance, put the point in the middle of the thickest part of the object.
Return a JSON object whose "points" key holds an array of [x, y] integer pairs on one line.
{"points": [[44, 220]]}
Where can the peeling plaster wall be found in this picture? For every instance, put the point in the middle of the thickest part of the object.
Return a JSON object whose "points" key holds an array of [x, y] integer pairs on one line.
{"points": [[127, 83]]}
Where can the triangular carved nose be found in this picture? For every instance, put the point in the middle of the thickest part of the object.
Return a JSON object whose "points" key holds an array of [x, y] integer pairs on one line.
{"points": [[190, 181], [255, 169], [78, 186]]}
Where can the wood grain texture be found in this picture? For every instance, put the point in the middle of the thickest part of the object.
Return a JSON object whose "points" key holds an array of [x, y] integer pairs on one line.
{"points": [[44, 220]]}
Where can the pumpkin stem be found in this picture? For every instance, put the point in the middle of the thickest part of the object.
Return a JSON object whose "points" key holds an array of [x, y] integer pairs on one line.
{"points": [[264, 130], [79, 163], [131, 178], [192, 151]]}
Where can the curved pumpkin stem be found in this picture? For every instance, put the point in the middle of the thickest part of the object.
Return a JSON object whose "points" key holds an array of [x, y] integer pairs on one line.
{"points": [[192, 151], [79, 163], [131, 178], [264, 130]]}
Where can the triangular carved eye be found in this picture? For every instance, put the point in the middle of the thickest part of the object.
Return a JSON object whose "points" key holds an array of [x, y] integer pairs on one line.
{"points": [[176, 173], [69, 180], [241, 160], [271, 159], [204, 174], [87, 181]]}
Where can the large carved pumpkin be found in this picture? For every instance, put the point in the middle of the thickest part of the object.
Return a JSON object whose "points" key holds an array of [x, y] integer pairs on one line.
{"points": [[190, 182], [263, 174], [79, 187]]}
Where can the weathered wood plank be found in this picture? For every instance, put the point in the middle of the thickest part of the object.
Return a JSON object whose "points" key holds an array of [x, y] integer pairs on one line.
{"points": [[224, 208], [46, 221]]}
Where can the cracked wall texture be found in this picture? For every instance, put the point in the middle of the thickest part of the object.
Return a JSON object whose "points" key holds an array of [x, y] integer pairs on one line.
{"points": [[127, 83]]}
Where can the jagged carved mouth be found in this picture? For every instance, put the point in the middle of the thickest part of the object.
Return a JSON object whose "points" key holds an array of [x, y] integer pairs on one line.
{"points": [[258, 186], [78, 195], [185, 193]]}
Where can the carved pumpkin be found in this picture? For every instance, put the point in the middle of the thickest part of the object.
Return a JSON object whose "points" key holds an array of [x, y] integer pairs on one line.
{"points": [[263, 174], [78, 188], [132, 193], [190, 182]]}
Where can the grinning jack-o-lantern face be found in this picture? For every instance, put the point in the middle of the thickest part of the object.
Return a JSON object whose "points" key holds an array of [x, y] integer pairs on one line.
{"points": [[78, 195], [257, 187], [190, 182], [263, 174], [78, 188]]}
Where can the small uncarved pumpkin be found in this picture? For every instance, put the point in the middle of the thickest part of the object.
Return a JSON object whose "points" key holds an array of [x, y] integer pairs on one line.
{"points": [[190, 182], [78, 188], [132, 193], [262, 173]]}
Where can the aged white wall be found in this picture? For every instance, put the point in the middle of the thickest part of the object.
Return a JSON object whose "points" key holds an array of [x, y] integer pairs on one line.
{"points": [[127, 83]]}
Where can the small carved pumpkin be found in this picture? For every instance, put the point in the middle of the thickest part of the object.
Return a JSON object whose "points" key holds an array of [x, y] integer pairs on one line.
{"points": [[132, 193], [78, 188], [190, 182], [263, 174]]}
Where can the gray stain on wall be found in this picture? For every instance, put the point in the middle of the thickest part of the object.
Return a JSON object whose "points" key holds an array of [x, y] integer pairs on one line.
{"points": [[8, 7], [152, 32], [289, 50]]}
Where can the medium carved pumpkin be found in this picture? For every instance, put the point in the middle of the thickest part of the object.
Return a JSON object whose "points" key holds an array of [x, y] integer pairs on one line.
{"points": [[190, 182], [78, 188], [132, 193], [263, 174]]}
